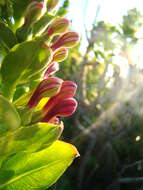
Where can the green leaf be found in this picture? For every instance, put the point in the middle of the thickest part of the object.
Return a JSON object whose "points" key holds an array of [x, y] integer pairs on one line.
{"points": [[19, 8], [23, 62], [29, 138], [42, 23], [23, 33], [9, 118], [7, 38], [38, 170], [23, 100]]}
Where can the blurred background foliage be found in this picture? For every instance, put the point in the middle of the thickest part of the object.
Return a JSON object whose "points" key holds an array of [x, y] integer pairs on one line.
{"points": [[107, 128]]}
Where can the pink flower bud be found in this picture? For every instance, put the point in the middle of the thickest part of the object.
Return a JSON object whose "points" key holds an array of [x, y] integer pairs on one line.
{"points": [[47, 88], [60, 55], [64, 108], [33, 12], [67, 40], [51, 4], [52, 68], [57, 26], [68, 90]]}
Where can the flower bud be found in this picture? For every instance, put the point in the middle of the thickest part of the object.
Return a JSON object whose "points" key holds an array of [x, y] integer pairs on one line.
{"points": [[67, 40], [52, 68], [60, 55], [57, 26], [51, 4], [47, 88], [64, 108], [33, 12], [68, 90]]}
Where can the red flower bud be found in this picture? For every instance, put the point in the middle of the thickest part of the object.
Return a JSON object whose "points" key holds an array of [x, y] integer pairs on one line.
{"points": [[64, 108], [60, 55], [67, 40], [68, 90], [33, 12], [57, 26], [47, 88], [52, 68]]}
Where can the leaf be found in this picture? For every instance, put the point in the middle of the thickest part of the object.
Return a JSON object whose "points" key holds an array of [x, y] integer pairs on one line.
{"points": [[7, 38], [42, 23], [19, 8], [37, 170], [23, 100], [24, 61], [29, 138], [9, 118]]}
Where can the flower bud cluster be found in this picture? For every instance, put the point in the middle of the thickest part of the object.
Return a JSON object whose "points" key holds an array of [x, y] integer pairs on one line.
{"points": [[61, 101]]}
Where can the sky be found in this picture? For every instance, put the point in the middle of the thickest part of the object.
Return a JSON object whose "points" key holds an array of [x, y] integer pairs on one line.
{"points": [[81, 12]]}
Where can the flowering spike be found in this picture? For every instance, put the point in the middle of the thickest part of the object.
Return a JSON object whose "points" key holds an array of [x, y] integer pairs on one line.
{"points": [[60, 55], [33, 12], [67, 40], [52, 68], [64, 108], [47, 88], [57, 26], [68, 90], [51, 4]]}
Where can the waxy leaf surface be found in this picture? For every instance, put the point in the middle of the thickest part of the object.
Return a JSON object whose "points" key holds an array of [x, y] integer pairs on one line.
{"points": [[9, 118], [38, 170]]}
